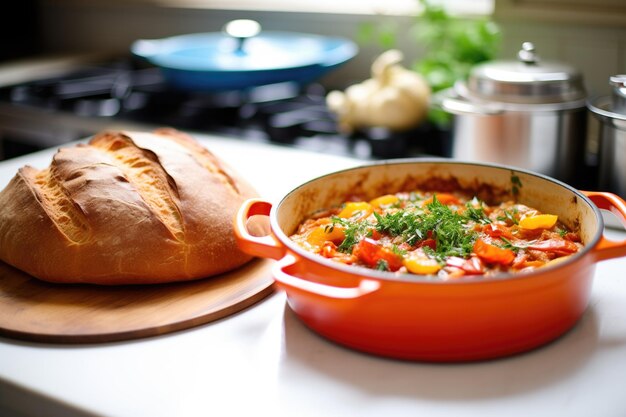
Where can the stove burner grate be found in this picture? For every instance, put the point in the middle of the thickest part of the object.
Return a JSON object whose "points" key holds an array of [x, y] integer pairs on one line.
{"points": [[282, 113]]}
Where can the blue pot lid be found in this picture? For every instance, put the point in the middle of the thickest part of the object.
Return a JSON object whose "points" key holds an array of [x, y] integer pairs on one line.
{"points": [[219, 52]]}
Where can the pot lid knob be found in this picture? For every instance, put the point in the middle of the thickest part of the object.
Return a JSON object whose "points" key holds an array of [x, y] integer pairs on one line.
{"points": [[242, 29], [618, 83], [527, 80], [527, 54]]}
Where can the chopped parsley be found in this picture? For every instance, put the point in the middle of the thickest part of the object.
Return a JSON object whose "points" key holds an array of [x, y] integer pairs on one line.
{"points": [[354, 231], [509, 216], [476, 213], [382, 265], [451, 230], [507, 244]]}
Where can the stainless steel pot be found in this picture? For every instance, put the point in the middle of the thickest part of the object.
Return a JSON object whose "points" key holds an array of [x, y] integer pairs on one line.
{"points": [[611, 112], [525, 113]]}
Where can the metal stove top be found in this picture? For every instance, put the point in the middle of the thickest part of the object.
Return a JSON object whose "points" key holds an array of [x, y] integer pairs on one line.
{"points": [[121, 93]]}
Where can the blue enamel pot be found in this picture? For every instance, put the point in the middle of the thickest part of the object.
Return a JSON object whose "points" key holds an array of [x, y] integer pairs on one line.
{"points": [[220, 61]]}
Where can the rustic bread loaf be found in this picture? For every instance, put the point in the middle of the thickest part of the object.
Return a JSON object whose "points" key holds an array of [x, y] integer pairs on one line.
{"points": [[127, 208]]}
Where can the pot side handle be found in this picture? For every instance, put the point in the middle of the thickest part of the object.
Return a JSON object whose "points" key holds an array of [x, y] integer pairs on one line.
{"points": [[607, 249], [146, 48], [264, 246], [448, 101], [290, 282]]}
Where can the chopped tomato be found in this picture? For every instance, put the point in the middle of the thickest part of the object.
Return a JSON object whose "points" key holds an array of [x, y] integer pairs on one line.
{"points": [[558, 246], [430, 242], [493, 254], [376, 235], [371, 253], [471, 266], [574, 237]]}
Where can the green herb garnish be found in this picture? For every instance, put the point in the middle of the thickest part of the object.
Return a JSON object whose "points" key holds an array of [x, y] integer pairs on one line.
{"points": [[510, 216], [476, 213], [382, 265], [509, 245], [516, 184], [451, 230], [354, 231]]}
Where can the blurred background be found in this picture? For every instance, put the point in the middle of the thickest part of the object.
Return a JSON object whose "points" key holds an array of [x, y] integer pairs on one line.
{"points": [[66, 71], [590, 35]]}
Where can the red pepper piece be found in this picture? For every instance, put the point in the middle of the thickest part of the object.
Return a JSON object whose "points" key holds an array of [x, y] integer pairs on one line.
{"points": [[431, 243], [493, 254], [370, 252], [558, 246], [497, 230], [376, 235]]}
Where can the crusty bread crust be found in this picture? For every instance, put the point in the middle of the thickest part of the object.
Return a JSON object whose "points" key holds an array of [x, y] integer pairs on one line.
{"points": [[127, 208]]}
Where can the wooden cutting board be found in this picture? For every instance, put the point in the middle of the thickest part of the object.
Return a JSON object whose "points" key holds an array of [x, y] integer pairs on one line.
{"points": [[34, 310]]}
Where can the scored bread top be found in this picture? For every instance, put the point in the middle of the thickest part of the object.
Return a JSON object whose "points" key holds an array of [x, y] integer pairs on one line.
{"points": [[129, 207]]}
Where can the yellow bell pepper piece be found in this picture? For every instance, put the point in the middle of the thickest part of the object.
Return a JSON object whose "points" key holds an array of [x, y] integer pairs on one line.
{"points": [[385, 200], [322, 234], [361, 209], [422, 266], [539, 221]]}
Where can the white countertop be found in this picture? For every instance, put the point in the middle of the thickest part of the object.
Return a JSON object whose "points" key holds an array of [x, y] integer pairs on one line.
{"points": [[264, 361]]}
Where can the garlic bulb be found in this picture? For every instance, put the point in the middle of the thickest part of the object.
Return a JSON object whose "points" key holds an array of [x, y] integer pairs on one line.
{"points": [[395, 97]]}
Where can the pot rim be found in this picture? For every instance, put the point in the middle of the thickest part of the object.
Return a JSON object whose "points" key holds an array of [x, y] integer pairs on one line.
{"points": [[600, 106], [419, 279]]}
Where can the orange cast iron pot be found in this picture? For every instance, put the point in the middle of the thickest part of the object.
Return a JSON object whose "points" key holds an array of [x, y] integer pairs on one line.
{"points": [[421, 318]]}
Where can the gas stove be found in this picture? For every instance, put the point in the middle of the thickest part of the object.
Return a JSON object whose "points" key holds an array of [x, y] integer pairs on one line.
{"points": [[122, 93]]}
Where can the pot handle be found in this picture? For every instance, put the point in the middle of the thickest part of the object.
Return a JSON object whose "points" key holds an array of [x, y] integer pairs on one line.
{"points": [[146, 48], [448, 101], [289, 282], [456, 106], [607, 249], [264, 246], [336, 52]]}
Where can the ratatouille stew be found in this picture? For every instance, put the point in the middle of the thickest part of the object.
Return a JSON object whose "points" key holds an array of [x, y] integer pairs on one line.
{"points": [[443, 235]]}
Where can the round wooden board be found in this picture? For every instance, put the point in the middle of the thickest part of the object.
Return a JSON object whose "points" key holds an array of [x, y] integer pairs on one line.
{"points": [[34, 310]]}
